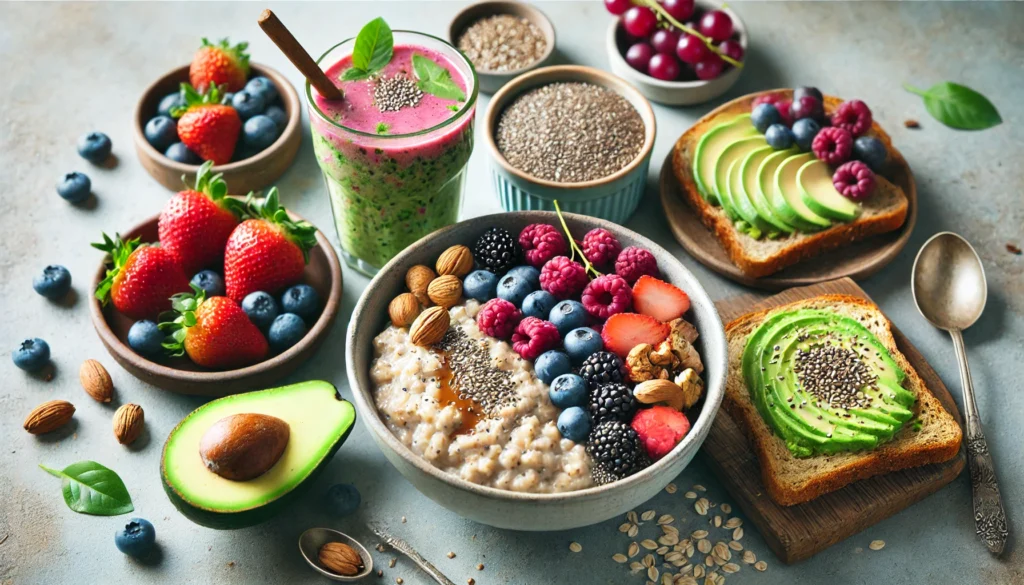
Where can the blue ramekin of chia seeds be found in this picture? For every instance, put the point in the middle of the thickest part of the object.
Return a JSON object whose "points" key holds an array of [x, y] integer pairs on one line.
{"points": [[614, 195]]}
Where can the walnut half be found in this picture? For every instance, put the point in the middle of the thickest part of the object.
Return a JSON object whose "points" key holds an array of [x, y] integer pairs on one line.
{"points": [[691, 385], [645, 362]]}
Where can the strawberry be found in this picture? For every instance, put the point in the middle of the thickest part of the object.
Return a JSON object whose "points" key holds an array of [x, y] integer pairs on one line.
{"points": [[660, 429], [142, 278], [659, 299], [207, 127], [195, 223], [218, 65], [268, 252], [215, 332], [624, 331]]}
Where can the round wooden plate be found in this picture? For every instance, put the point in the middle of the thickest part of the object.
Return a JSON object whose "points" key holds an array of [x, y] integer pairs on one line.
{"points": [[181, 375], [858, 260]]}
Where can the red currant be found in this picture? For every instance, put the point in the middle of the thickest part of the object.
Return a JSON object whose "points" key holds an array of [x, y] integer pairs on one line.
{"points": [[639, 56], [617, 7], [664, 41], [639, 21], [709, 68], [732, 49], [691, 50], [678, 9], [717, 25], [664, 67]]}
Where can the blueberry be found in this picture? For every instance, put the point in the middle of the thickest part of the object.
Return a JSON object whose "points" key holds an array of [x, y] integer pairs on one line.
{"points": [[574, 424], [763, 116], [74, 187], [161, 132], [481, 285], [302, 300], [581, 343], [258, 133], [247, 104], [94, 147], [286, 330], [527, 273], [539, 304], [343, 499], [136, 539], [146, 339], [209, 281], [262, 87], [568, 315], [779, 137], [169, 102], [568, 390], [32, 355], [871, 151], [550, 365], [513, 289], [278, 115], [53, 283], [261, 308], [807, 91], [180, 153], [804, 131]]}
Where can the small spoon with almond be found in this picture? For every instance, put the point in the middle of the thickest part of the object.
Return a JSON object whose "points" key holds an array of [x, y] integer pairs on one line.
{"points": [[335, 555]]}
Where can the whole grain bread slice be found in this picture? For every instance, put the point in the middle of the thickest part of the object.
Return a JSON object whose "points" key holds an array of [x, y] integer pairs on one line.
{"points": [[884, 212], [790, 480]]}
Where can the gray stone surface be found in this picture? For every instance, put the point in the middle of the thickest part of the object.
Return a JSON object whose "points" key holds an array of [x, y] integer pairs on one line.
{"points": [[70, 68]]}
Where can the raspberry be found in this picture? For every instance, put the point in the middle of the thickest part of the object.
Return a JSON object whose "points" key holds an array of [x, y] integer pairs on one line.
{"points": [[541, 242], [635, 262], [563, 278], [768, 98], [853, 116], [533, 337], [601, 247], [498, 318], [833, 145], [607, 295], [854, 180], [783, 107]]}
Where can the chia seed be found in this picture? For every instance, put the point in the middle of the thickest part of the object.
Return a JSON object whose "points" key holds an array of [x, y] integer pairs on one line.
{"points": [[570, 132], [474, 375], [503, 43], [391, 94], [835, 375]]}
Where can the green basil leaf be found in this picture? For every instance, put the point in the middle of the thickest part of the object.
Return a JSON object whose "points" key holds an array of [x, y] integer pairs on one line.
{"points": [[435, 79], [958, 106], [354, 74], [90, 488], [374, 46]]}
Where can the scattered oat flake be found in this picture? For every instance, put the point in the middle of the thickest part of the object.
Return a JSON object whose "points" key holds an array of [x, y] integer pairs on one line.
{"points": [[648, 515], [671, 488], [877, 545], [704, 545], [633, 531], [749, 557], [648, 560], [399, 580], [666, 519], [666, 579], [636, 566], [631, 516], [619, 558], [480, 567], [471, 581], [652, 573], [737, 534], [733, 523], [726, 508], [709, 560], [698, 571], [624, 527], [451, 555], [648, 544], [912, 124], [699, 534], [1013, 249], [634, 549], [718, 521], [736, 546], [687, 580], [403, 519], [573, 546], [700, 488], [391, 563], [761, 566]]}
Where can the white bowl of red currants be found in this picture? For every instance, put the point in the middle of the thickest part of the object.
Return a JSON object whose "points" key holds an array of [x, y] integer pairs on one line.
{"points": [[667, 64]]}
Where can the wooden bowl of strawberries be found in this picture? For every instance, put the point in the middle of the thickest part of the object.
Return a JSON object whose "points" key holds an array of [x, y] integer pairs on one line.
{"points": [[216, 295], [246, 118]]}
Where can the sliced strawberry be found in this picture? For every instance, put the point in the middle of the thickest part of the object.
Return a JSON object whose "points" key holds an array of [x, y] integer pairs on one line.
{"points": [[659, 299], [624, 331], [660, 429]]}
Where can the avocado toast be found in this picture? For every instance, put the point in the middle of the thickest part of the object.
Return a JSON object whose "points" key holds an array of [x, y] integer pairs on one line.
{"points": [[771, 209], [835, 402]]}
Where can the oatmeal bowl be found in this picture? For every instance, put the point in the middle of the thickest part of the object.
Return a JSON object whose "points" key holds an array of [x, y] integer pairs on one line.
{"points": [[533, 380]]}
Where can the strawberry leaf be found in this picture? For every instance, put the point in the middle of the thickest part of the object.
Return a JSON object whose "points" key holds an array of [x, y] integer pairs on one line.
{"points": [[119, 252], [302, 233]]}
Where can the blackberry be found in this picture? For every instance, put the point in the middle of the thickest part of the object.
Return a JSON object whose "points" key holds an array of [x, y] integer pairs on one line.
{"points": [[614, 445], [497, 251], [612, 401], [602, 474], [602, 368]]}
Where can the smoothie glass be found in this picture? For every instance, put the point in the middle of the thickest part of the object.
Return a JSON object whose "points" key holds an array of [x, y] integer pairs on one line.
{"points": [[389, 190]]}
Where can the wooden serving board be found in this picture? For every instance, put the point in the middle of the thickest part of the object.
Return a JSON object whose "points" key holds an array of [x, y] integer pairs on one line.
{"points": [[797, 532]]}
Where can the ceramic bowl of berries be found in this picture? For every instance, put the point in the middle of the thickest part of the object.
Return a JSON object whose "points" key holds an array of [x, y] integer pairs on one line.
{"points": [[245, 117], [533, 380], [668, 64]]}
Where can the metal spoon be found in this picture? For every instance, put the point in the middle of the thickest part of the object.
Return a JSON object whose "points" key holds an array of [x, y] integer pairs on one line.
{"points": [[950, 291], [404, 548]]}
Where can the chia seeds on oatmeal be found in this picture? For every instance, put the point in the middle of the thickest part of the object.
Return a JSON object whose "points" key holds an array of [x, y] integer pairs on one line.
{"points": [[570, 132], [503, 43], [391, 94], [472, 372]]}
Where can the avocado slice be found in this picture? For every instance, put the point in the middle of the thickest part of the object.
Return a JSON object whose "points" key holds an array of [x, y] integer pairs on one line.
{"points": [[728, 162], [751, 173], [710, 147], [786, 198], [819, 194], [319, 421]]}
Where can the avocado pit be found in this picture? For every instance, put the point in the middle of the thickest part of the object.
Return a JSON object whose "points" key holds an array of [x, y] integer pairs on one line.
{"points": [[244, 446]]}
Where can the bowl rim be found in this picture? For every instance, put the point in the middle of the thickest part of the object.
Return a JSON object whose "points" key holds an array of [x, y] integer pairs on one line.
{"points": [[607, 80], [532, 13], [280, 82], [320, 327], [698, 431]]}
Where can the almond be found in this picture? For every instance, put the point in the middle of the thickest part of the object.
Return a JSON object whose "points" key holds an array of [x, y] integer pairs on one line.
{"points": [[445, 290], [128, 421], [403, 309], [655, 391], [49, 416], [429, 328], [96, 381], [457, 261], [340, 558], [417, 279]]}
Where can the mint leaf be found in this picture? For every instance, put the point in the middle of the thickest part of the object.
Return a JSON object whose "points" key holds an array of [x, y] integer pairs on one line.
{"points": [[90, 488], [383, 128], [374, 47], [454, 107], [958, 106], [354, 74], [435, 80]]}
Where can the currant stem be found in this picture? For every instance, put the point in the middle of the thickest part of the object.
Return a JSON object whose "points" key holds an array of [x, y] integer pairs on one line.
{"points": [[653, 5], [587, 266]]}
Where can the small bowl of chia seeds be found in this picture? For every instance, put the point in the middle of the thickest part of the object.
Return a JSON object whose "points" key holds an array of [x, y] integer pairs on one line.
{"points": [[574, 134], [502, 40]]}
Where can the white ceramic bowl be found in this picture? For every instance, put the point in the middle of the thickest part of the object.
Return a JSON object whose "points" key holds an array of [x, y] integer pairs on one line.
{"points": [[676, 93], [507, 509]]}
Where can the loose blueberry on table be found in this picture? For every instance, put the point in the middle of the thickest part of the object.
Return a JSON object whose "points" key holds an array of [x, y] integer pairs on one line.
{"points": [[53, 283], [32, 355], [74, 187], [136, 539], [94, 147]]}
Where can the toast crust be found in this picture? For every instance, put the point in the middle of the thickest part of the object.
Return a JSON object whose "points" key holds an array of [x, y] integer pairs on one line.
{"points": [[850, 467], [806, 245]]}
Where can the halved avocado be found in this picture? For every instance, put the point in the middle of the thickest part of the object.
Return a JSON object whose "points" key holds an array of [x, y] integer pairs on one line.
{"points": [[319, 421], [820, 195], [711, 145], [787, 201], [727, 163]]}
